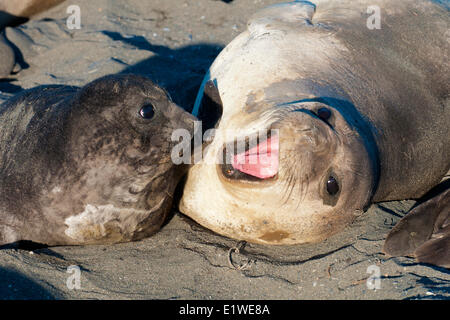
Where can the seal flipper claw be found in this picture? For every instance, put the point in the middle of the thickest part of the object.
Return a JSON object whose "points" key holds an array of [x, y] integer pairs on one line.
{"points": [[424, 233]]}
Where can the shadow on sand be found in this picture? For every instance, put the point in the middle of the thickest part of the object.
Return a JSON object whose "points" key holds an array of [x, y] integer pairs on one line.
{"points": [[17, 286], [180, 71]]}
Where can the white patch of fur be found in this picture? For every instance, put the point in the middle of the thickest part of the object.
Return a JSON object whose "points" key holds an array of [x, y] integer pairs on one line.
{"points": [[56, 189], [91, 223]]}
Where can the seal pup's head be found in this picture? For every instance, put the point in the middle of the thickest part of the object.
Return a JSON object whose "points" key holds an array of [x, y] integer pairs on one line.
{"points": [[120, 131]]}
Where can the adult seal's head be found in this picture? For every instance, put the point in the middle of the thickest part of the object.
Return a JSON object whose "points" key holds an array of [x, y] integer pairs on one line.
{"points": [[303, 173], [89, 165]]}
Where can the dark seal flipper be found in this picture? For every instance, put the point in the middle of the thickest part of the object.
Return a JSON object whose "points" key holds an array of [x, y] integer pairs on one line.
{"points": [[212, 108], [435, 251], [424, 233]]}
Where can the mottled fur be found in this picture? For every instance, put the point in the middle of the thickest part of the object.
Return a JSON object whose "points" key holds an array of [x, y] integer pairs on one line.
{"points": [[80, 166]]}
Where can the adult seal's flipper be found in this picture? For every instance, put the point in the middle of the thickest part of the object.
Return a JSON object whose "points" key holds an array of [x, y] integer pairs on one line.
{"points": [[211, 106], [424, 233]]}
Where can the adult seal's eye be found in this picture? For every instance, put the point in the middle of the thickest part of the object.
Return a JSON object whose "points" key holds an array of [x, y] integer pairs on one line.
{"points": [[147, 111], [332, 186]]}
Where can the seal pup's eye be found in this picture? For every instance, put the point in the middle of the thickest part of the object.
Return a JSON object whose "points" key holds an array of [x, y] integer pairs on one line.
{"points": [[147, 111], [324, 114], [332, 186]]}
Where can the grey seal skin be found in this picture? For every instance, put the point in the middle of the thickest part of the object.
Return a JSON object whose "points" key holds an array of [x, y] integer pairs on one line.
{"points": [[88, 165], [363, 116]]}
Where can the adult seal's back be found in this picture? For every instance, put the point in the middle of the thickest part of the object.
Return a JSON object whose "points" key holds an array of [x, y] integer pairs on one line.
{"points": [[88, 165], [360, 114]]}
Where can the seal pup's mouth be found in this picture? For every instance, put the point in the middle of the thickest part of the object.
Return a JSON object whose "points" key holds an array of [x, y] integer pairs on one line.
{"points": [[257, 161]]}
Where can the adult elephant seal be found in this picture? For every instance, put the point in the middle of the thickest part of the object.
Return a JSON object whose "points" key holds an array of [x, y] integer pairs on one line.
{"points": [[362, 115], [88, 165], [13, 12]]}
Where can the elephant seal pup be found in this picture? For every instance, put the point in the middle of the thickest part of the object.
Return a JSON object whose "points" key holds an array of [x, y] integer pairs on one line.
{"points": [[362, 115], [88, 165]]}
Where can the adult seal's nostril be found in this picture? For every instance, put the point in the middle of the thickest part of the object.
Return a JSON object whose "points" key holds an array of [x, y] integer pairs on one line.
{"points": [[324, 113]]}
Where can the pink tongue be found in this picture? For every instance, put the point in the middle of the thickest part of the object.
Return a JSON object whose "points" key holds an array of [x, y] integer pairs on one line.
{"points": [[260, 161]]}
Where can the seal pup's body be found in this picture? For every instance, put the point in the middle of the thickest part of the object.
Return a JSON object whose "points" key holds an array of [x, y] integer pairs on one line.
{"points": [[362, 116], [88, 165]]}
